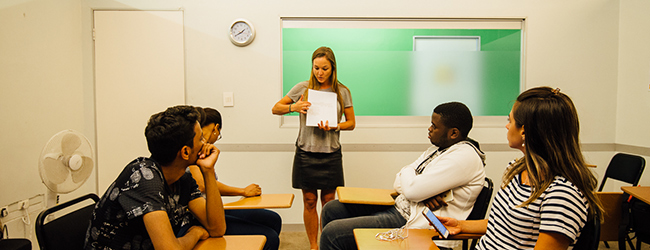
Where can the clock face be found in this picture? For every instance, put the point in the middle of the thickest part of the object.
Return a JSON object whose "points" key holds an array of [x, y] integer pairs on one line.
{"points": [[241, 33]]}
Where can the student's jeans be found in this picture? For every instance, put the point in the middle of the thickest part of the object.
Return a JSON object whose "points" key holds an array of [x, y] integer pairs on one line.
{"points": [[249, 222], [340, 219], [255, 222]]}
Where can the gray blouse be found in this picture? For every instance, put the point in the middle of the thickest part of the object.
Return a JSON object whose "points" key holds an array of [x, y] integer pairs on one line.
{"points": [[313, 139]]}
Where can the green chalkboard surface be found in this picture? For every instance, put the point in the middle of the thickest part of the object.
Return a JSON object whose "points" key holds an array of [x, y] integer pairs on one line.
{"points": [[388, 78]]}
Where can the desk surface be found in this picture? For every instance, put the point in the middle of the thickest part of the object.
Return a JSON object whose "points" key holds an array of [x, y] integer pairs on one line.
{"points": [[641, 193], [372, 196], [262, 201], [232, 242], [417, 239]]}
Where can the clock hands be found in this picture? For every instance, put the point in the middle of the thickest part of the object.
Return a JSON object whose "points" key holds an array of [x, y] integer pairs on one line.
{"points": [[239, 33]]}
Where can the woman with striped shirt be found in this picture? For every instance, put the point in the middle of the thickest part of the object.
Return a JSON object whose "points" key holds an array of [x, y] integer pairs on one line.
{"points": [[546, 196]]}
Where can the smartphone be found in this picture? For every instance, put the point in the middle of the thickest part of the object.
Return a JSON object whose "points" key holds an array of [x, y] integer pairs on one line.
{"points": [[442, 230]]}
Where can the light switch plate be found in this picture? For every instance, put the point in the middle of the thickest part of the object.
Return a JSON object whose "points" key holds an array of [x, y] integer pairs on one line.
{"points": [[228, 99]]}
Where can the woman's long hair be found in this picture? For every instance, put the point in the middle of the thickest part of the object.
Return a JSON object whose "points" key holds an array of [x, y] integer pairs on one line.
{"points": [[313, 81], [552, 147]]}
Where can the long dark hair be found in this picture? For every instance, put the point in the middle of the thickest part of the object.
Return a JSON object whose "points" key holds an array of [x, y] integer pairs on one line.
{"points": [[552, 145]]}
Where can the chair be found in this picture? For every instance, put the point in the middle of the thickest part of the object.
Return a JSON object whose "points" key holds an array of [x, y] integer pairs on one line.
{"points": [[15, 244], [624, 167], [480, 208], [639, 218], [67, 231], [589, 235]]}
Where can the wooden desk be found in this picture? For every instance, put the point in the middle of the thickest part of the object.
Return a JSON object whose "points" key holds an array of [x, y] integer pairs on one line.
{"points": [[232, 242], [419, 239], [371, 196], [641, 193], [262, 201], [612, 203]]}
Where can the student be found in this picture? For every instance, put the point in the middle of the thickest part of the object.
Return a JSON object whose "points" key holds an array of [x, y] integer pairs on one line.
{"points": [[451, 163], [238, 221], [548, 194], [318, 161], [153, 198]]}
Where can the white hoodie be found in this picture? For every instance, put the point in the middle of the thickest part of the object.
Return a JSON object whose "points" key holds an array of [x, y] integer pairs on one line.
{"points": [[459, 168]]}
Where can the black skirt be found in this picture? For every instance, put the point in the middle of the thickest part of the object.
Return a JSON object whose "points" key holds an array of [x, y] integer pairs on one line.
{"points": [[317, 170]]}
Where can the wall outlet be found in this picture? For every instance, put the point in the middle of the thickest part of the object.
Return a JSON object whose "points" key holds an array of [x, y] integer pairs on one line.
{"points": [[228, 99]]}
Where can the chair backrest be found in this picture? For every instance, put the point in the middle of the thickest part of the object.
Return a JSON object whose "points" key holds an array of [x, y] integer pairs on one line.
{"points": [[612, 203], [589, 235], [624, 167], [67, 231], [482, 201]]}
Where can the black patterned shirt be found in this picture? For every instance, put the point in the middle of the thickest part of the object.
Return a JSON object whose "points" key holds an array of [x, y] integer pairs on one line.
{"points": [[140, 188]]}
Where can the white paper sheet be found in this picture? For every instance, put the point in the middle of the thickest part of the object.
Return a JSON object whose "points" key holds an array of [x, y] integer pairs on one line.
{"points": [[323, 108]]}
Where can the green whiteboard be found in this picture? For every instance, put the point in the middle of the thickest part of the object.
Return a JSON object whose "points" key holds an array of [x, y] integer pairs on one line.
{"points": [[384, 74]]}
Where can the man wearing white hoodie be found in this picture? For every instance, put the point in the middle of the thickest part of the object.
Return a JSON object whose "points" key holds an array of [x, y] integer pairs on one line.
{"points": [[452, 163]]}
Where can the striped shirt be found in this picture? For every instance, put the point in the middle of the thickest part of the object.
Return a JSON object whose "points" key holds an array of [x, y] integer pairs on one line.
{"points": [[560, 209]]}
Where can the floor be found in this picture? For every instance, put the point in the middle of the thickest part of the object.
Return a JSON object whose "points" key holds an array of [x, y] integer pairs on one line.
{"points": [[297, 240]]}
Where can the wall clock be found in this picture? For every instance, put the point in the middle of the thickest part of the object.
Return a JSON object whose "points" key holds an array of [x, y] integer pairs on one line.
{"points": [[241, 32]]}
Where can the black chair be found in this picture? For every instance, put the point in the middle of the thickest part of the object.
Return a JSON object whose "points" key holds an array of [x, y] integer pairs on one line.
{"points": [[639, 218], [480, 207], [15, 244], [589, 235], [67, 231], [624, 167]]}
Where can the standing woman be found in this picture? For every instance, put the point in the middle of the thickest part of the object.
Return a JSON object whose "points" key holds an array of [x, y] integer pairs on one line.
{"points": [[318, 161], [546, 196]]}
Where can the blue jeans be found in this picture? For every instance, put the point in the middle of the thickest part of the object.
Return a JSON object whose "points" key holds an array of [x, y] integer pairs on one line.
{"points": [[340, 219], [255, 222]]}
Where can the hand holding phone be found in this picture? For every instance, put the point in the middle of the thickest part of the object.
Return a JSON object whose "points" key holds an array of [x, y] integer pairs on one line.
{"points": [[442, 230]]}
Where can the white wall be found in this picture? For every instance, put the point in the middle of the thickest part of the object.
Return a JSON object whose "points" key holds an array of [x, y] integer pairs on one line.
{"points": [[633, 106], [633, 109], [46, 76], [41, 93]]}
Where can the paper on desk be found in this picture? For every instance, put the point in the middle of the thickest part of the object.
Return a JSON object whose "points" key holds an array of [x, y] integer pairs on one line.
{"points": [[323, 108]]}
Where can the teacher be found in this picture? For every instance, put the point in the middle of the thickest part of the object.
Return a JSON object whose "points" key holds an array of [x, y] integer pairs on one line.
{"points": [[318, 163]]}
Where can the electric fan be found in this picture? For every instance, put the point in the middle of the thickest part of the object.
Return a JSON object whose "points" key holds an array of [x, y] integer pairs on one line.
{"points": [[65, 164]]}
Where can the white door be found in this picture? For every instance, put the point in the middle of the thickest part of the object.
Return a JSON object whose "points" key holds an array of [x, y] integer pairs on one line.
{"points": [[139, 71]]}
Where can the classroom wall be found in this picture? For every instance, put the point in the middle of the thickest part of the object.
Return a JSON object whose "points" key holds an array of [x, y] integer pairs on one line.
{"points": [[633, 109], [633, 89], [41, 93], [46, 76]]}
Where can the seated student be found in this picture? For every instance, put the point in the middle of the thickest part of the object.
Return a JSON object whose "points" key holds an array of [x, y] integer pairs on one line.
{"points": [[547, 195], [239, 221], [452, 163], [153, 198]]}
